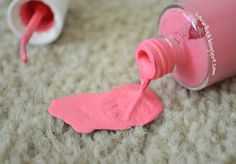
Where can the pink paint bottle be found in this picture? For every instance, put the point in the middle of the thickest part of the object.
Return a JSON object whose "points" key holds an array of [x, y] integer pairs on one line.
{"points": [[196, 43]]}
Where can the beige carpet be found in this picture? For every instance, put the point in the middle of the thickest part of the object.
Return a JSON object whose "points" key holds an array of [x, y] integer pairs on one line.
{"points": [[96, 53]]}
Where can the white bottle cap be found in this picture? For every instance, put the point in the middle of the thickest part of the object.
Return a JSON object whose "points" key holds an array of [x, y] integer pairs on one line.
{"points": [[59, 9]]}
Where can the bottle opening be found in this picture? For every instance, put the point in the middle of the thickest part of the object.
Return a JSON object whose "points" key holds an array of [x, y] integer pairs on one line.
{"points": [[155, 58], [28, 10], [146, 64]]}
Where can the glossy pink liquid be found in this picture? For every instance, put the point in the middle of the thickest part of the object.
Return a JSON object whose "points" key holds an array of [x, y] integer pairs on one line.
{"points": [[196, 61], [118, 109], [36, 16]]}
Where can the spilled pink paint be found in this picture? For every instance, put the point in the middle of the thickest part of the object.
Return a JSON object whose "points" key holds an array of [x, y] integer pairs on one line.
{"points": [[119, 109]]}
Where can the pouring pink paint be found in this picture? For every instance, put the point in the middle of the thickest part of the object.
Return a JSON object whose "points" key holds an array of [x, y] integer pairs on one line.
{"points": [[196, 44]]}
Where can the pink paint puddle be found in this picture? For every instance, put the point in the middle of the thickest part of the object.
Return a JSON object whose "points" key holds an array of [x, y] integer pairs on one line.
{"points": [[118, 109]]}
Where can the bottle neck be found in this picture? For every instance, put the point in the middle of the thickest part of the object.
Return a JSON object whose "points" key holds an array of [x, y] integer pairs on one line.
{"points": [[158, 57]]}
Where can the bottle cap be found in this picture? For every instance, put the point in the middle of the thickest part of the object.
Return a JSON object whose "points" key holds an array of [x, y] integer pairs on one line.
{"points": [[36, 22]]}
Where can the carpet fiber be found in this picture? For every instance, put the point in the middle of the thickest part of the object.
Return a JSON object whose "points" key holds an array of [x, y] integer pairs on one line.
{"points": [[96, 53]]}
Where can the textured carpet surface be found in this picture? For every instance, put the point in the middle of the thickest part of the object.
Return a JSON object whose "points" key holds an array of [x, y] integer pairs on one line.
{"points": [[95, 53]]}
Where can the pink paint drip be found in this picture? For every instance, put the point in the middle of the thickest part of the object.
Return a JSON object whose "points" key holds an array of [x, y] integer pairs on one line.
{"points": [[37, 17], [119, 109]]}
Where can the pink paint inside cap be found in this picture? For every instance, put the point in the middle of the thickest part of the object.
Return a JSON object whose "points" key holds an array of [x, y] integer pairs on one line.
{"points": [[36, 16]]}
